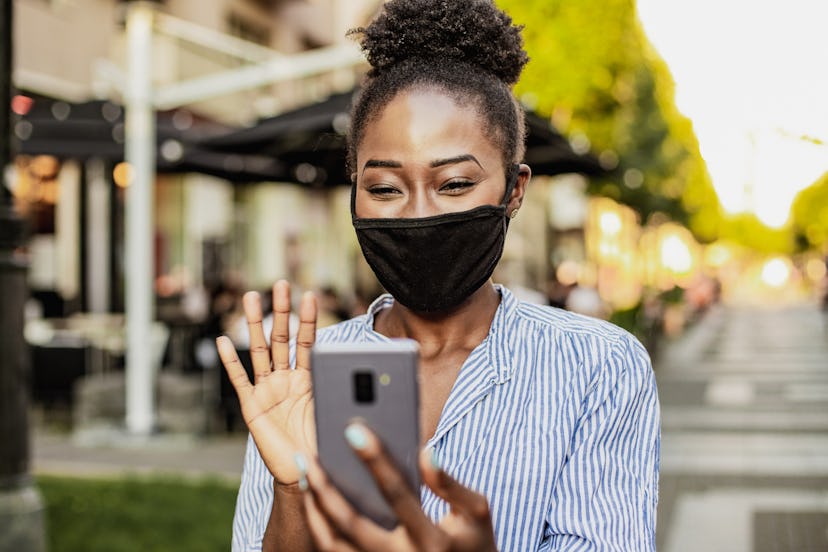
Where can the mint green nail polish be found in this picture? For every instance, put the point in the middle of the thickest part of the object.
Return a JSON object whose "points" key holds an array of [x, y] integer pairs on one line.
{"points": [[355, 435], [302, 466]]}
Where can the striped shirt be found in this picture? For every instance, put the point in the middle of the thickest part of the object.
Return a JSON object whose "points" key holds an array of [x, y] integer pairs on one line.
{"points": [[554, 417]]}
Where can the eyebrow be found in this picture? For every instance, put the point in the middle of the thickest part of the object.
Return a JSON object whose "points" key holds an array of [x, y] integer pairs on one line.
{"points": [[455, 160], [389, 164], [381, 164]]}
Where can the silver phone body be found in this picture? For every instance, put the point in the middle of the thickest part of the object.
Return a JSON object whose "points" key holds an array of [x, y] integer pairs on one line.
{"points": [[339, 390]]}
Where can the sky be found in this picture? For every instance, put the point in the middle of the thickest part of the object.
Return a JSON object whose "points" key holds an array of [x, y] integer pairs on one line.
{"points": [[752, 75]]}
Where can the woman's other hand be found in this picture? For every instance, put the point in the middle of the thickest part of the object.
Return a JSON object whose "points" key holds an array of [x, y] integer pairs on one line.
{"points": [[336, 526], [277, 407]]}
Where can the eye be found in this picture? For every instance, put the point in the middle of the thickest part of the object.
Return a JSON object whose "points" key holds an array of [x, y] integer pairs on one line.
{"points": [[457, 186], [383, 190]]}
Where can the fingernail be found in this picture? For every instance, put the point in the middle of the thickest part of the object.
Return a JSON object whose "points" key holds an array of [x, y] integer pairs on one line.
{"points": [[434, 459], [302, 466], [356, 435]]}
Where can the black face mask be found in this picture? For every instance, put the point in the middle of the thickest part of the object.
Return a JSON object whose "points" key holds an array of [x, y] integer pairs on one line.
{"points": [[433, 264]]}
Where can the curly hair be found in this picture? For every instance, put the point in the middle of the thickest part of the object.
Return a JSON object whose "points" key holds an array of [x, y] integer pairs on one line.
{"points": [[468, 49]]}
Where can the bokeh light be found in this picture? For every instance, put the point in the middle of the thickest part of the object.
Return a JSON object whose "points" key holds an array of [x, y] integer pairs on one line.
{"points": [[568, 272], [717, 255], [815, 269], [675, 255], [776, 272], [122, 174], [610, 223]]}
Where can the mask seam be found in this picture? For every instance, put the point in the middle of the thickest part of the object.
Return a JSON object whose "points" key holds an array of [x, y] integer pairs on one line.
{"points": [[437, 220]]}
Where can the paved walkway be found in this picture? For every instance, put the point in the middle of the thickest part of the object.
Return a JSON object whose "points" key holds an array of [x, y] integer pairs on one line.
{"points": [[63, 454], [744, 466]]}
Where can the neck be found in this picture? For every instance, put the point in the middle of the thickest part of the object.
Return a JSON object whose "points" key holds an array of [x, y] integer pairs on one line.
{"points": [[463, 327]]}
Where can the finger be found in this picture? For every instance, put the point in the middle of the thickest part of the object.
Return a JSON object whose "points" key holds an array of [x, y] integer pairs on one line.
{"points": [[235, 371], [340, 515], [259, 354], [280, 336], [306, 336], [396, 489], [322, 533], [461, 499]]}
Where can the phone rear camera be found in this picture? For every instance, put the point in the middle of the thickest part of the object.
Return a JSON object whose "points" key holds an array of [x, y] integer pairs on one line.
{"points": [[364, 387]]}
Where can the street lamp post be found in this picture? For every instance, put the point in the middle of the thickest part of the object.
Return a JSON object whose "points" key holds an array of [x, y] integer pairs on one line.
{"points": [[21, 508]]}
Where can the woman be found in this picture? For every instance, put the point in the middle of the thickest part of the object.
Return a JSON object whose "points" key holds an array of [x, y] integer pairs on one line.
{"points": [[547, 422]]}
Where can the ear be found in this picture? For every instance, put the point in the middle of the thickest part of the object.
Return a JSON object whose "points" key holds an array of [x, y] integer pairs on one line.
{"points": [[516, 200]]}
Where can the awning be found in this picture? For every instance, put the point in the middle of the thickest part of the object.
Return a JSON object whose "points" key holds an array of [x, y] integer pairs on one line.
{"points": [[309, 141], [95, 129], [304, 146]]}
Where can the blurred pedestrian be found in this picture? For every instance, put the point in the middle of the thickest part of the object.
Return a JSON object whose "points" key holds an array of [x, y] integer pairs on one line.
{"points": [[541, 427]]}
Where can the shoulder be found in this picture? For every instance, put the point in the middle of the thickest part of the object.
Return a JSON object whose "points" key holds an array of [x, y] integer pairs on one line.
{"points": [[599, 347], [348, 330], [358, 328], [568, 325]]}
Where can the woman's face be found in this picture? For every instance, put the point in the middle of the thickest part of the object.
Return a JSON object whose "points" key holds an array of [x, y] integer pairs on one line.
{"points": [[425, 155]]}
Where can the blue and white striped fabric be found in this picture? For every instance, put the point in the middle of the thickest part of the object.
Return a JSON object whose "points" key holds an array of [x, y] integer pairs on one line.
{"points": [[554, 417]]}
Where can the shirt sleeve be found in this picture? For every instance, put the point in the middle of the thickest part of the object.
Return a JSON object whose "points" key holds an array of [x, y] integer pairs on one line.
{"points": [[254, 502], [605, 498]]}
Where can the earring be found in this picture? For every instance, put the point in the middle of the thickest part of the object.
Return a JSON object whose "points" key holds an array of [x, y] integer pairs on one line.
{"points": [[513, 214]]}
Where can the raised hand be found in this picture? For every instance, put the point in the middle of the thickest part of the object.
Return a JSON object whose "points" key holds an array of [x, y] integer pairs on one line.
{"points": [[277, 407]]}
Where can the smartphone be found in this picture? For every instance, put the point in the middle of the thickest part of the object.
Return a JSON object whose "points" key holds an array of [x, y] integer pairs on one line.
{"points": [[375, 383]]}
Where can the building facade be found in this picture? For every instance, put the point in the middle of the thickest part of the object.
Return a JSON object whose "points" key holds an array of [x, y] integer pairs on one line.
{"points": [[206, 228]]}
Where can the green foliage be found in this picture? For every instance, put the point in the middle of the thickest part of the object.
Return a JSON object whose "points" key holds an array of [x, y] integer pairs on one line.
{"points": [[629, 319], [137, 514], [636, 321], [674, 295], [594, 72], [810, 215], [747, 230]]}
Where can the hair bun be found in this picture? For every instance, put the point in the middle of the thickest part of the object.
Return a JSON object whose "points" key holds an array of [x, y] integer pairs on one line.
{"points": [[472, 31]]}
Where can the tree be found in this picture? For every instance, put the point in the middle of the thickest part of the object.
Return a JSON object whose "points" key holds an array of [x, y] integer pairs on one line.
{"points": [[748, 230], [809, 214], [594, 73]]}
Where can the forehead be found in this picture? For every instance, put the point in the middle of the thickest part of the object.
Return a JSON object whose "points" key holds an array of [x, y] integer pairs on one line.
{"points": [[427, 124]]}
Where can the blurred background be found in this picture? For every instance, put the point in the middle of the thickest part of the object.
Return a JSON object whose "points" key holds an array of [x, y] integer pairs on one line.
{"points": [[165, 157]]}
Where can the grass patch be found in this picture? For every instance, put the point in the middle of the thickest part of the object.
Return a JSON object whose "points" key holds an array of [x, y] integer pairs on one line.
{"points": [[137, 514]]}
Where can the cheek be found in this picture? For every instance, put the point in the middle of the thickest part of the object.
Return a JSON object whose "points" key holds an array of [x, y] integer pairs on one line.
{"points": [[368, 206], [365, 208]]}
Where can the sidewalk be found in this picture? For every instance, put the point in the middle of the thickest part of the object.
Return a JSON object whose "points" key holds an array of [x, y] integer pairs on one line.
{"points": [[213, 456], [744, 467]]}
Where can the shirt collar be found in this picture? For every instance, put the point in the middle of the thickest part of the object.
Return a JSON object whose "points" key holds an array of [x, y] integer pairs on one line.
{"points": [[499, 347], [502, 335]]}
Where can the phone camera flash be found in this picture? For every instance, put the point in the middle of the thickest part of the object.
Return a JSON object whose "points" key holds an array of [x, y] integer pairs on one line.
{"points": [[384, 379]]}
